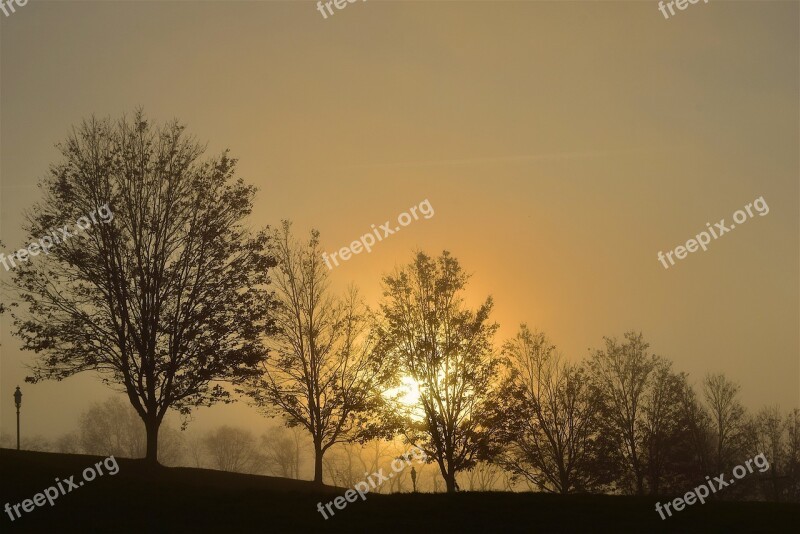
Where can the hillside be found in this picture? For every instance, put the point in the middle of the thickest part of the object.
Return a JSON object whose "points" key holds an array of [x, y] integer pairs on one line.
{"points": [[201, 500]]}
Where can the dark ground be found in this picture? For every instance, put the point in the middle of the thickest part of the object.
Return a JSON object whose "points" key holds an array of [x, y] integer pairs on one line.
{"points": [[201, 500]]}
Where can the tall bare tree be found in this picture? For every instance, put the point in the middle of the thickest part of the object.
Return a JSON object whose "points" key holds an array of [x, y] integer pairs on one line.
{"points": [[446, 349], [666, 430], [322, 373], [167, 301], [770, 437], [620, 374], [549, 416], [727, 418]]}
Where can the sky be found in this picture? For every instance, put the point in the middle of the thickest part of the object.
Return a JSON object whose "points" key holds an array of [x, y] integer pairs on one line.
{"points": [[562, 146]]}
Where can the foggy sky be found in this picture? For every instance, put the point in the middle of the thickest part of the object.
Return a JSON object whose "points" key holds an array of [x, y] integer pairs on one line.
{"points": [[562, 145]]}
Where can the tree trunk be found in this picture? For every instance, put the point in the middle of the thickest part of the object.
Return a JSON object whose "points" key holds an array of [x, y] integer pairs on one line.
{"points": [[318, 464], [450, 480], [151, 425]]}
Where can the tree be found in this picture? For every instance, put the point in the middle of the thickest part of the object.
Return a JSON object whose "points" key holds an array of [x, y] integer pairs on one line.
{"points": [[620, 376], [114, 428], [447, 350], [699, 427], [793, 455], [666, 430], [322, 372], [283, 451], [484, 477], [27, 443], [727, 419], [233, 449], [69, 443], [549, 417], [771, 438], [167, 302]]}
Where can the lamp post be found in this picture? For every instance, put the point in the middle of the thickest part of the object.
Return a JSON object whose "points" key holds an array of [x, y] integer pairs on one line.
{"points": [[18, 402]]}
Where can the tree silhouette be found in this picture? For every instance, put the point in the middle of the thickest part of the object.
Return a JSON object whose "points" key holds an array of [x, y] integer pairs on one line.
{"points": [[620, 375], [727, 418], [167, 301], [322, 372], [549, 417], [114, 428], [234, 450], [447, 349], [666, 430], [283, 451]]}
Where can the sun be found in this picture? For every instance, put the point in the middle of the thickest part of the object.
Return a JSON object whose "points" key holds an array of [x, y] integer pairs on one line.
{"points": [[407, 395], [409, 392]]}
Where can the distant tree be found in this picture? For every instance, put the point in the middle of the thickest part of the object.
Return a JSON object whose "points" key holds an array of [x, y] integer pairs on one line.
{"points": [[284, 449], [771, 438], [114, 428], [484, 476], [447, 350], [196, 451], [32, 443], [233, 449], [727, 419], [700, 434], [548, 412], [345, 465], [68, 443], [620, 375], [167, 302], [322, 373], [793, 455], [666, 431]]}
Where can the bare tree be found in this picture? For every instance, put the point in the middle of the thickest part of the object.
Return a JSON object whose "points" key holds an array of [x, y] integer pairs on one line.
{"points": [[345, 466], [447, 350], [283, 449], [114, 428], [484, 477], [27, 443], [167, 301], [666, 431], [322, 373], [700, 433], [771, 438], [68, 443], [793, 455], [233, 449], [620, 376], [548, 414], [727, 418]]}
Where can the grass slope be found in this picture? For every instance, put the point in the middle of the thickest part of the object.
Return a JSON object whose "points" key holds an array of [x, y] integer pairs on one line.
{"points": [[199, 500]]}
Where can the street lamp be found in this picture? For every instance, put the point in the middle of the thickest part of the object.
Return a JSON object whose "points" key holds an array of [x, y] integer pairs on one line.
{"points": [[18, 402]]}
